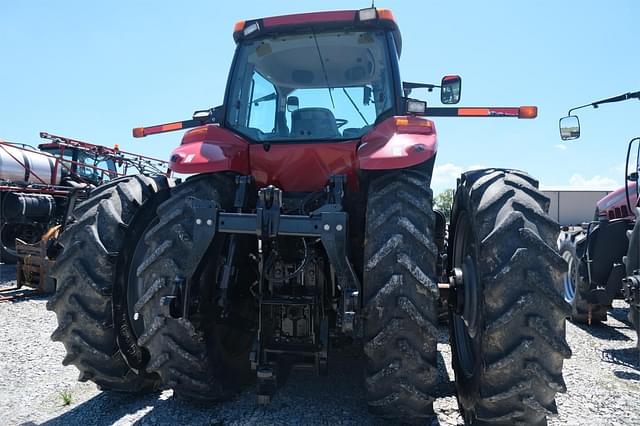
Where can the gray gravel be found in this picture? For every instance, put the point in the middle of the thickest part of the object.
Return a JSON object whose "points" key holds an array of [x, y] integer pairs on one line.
{"points": [[603, 380]]}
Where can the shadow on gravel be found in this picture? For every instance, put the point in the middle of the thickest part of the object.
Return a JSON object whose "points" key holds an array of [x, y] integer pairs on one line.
{"points": [[622, 315], [628, 357], [103, 409], [604, 331], [627, 376], [304, 399]]}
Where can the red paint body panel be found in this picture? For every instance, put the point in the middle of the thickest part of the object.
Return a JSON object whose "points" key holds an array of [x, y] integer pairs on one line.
{"points": [[397, 142], [304, 167], [389, 146], [209, 149], [614, 202], [302, 18]]}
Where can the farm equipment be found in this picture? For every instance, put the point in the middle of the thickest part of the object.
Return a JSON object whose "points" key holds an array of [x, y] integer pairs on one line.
{"points": [[308, 223], [40, 187], [603, 260]]}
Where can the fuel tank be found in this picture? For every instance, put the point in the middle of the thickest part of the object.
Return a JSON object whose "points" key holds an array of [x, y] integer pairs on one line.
{"points": [[23, 165]]}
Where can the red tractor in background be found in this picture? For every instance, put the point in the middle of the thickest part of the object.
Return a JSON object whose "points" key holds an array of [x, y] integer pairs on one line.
{"points": [[604, 260], [308, 223]]}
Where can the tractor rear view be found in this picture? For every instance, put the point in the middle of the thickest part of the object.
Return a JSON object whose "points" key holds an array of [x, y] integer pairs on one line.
{"points": [[308, 223]]}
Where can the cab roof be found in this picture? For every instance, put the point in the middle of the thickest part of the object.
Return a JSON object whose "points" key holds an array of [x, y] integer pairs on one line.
{"points": [[372, 18]]}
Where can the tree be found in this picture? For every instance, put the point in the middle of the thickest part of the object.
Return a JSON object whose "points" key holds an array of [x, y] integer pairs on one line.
{"points": [[444, 201]]}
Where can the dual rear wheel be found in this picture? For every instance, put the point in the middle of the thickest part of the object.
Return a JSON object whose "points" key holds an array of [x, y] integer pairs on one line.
{"points": [[507, 319], [507, 335]]}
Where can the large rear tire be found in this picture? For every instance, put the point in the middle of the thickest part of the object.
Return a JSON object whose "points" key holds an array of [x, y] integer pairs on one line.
{"points": [[400, 294], [582, 311], [85, 272], [200, 356], [508, 339]]}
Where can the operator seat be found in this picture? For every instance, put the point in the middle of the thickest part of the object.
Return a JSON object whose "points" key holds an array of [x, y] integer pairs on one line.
{"points": [[313, 123]]}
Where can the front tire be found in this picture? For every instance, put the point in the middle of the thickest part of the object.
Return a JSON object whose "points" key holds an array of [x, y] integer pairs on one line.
{"points": [[400, 294], [508, 339]]}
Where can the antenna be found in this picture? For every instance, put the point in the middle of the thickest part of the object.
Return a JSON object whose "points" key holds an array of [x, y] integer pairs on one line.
{"points": [[373, 5]]}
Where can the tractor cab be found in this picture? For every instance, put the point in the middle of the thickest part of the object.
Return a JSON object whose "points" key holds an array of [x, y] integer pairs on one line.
{"points": [[298, 81], [80, 164]]}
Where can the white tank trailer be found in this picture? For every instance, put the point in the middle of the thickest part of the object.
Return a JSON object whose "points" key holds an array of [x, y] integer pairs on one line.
{"points": [[22, 165]]}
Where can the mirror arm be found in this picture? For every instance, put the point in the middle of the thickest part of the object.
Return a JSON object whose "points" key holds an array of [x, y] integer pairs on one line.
{"points": [[619, 98]]}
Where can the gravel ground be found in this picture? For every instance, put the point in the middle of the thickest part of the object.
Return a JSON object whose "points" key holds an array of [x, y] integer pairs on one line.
{"points": [[603, 381]]}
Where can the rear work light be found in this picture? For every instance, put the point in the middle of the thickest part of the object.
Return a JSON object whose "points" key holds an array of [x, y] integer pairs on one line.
{"points": [[372, 13], [368, 14], [416, 107], [251, 28]]}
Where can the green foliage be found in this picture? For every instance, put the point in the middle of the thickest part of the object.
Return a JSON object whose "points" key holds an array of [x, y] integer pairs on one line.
{"points": [[66, 397], [443, 202]]}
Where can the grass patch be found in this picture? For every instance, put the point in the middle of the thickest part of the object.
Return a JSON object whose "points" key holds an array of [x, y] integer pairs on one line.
{"points": [[66, 397]]}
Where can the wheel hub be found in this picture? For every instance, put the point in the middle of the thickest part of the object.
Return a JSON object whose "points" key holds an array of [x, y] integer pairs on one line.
{"points": [[465, 294]]}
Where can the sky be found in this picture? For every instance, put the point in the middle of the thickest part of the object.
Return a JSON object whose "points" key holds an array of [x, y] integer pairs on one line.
{"points": [[94, 70]]}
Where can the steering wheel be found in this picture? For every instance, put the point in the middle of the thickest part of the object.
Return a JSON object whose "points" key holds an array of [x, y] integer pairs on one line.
{"points": [[341, 122]]}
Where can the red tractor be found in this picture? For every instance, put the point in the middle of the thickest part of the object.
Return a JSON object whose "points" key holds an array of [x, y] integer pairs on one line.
{"points": [[604, 260], [308, 223]]}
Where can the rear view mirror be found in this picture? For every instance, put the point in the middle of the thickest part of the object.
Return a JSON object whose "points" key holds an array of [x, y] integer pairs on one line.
{"points": [[450, 88], [569, 128], [293, 103]]}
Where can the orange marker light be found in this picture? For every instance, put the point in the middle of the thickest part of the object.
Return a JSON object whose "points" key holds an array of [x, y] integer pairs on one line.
{"points": [[528, 112], [239, 26], [386, 14], [403, 121], [138, 132]]}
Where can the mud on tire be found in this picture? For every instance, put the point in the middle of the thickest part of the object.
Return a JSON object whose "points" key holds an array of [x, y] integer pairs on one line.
{"points": [[190, 353], [85, 272], [508, 348], [400, 294]]}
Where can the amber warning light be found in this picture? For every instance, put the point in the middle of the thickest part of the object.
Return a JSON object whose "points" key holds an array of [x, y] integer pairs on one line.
{"points": [[528, 112]]}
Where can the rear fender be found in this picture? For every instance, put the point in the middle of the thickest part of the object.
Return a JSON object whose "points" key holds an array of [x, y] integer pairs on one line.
{"points": [[397, 143], [210, 149]]}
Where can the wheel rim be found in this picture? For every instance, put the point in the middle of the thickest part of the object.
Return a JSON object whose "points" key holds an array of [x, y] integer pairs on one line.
{"points": [[466, 325], [570, 277]]}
